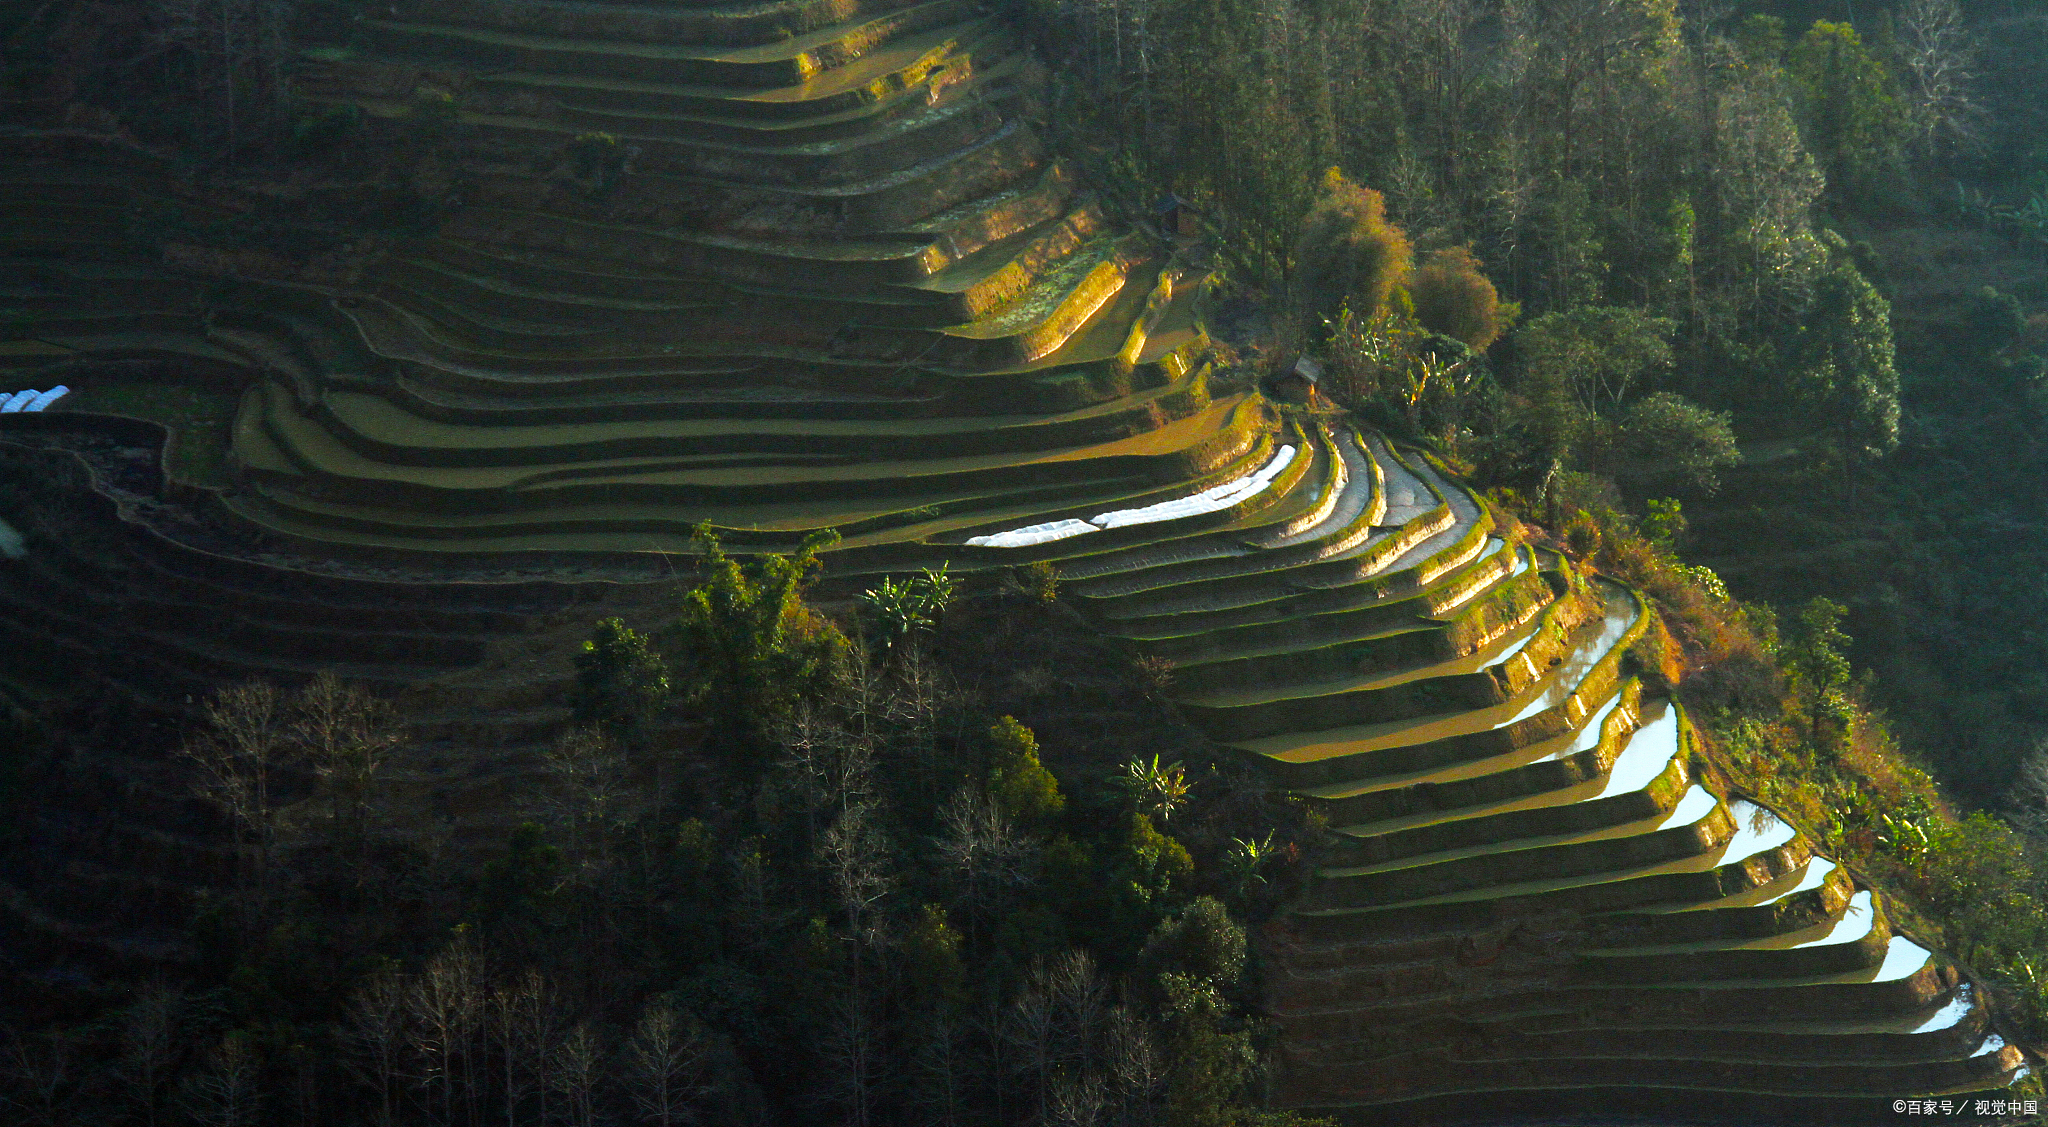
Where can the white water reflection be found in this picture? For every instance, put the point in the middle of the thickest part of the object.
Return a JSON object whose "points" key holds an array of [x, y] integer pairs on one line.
{"points": [[1854, 923], [1816, 872], [1589, 733], [1901, 959], [1650, 750], [1697, 804], [11, 544], [1354, 493], [1756, 829], [1212, 500], [1621, 614], [1949, 1015]]}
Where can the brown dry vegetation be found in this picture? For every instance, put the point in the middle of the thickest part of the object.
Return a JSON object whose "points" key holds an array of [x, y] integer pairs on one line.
{"points": [[1453, 296], [1822, 754]]}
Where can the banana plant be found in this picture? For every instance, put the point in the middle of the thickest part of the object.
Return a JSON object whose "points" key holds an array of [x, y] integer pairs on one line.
{"points": [[1155, 789], [901, 609], [1904, 836], [1244, 861]]}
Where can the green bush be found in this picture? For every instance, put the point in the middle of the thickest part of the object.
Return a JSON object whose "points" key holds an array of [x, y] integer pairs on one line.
{"points": [[621, 683], [1039, 582], [1664, 437], [1349, 256], [1201, 941], [1017, 782], [1452, 296], [745, 644]]}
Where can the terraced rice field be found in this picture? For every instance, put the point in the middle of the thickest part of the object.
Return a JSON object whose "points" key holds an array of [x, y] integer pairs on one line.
{"points": [[1532, 903], [838, 283]]}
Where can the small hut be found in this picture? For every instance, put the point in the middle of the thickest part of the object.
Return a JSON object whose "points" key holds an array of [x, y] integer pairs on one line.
{"points": [[1298, 383], [1176, 217]]}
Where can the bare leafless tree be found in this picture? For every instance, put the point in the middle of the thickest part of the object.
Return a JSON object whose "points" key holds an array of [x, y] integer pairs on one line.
{"points": [[589, 796], [376, 1034], [305, 1070], [578, 1073], [444, 1007], [897, 707], [1940, 56], [149, 1048], [226, 1092], [1054, 1028], [665, 1063], [235, 52], [1079, 1001], [940, 1073], [1136, 1069], [851, 1052], [1030, 1033], [38, 1075], [856, 858], [1074, 1099], [825, 768], [984, 849], [246, 739], [346, 734], [525, 1026], [922, 694]]}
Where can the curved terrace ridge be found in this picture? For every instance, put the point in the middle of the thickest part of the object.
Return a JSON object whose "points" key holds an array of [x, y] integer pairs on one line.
{"points": [[782, 268]]}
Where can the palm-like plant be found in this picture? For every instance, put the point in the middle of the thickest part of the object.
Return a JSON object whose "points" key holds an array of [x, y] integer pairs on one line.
{"points": [[1244, 861], [902, 608], [1154, 788]]}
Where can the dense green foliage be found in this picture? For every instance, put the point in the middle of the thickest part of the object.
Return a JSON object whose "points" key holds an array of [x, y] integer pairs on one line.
{"points": [[1452, 296], [621, 683], [1747, 223], [1588, 154], [755, 652], [854, 893], [1851, 116], [1349, 256], [901, 609]]}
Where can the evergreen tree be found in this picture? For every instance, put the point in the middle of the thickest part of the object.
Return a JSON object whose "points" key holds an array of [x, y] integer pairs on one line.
{"points": [[1854, 121], [621, 683], [1019, 785], [1818, 661], [1350, 256], [749, 648], [1844, 363]]}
